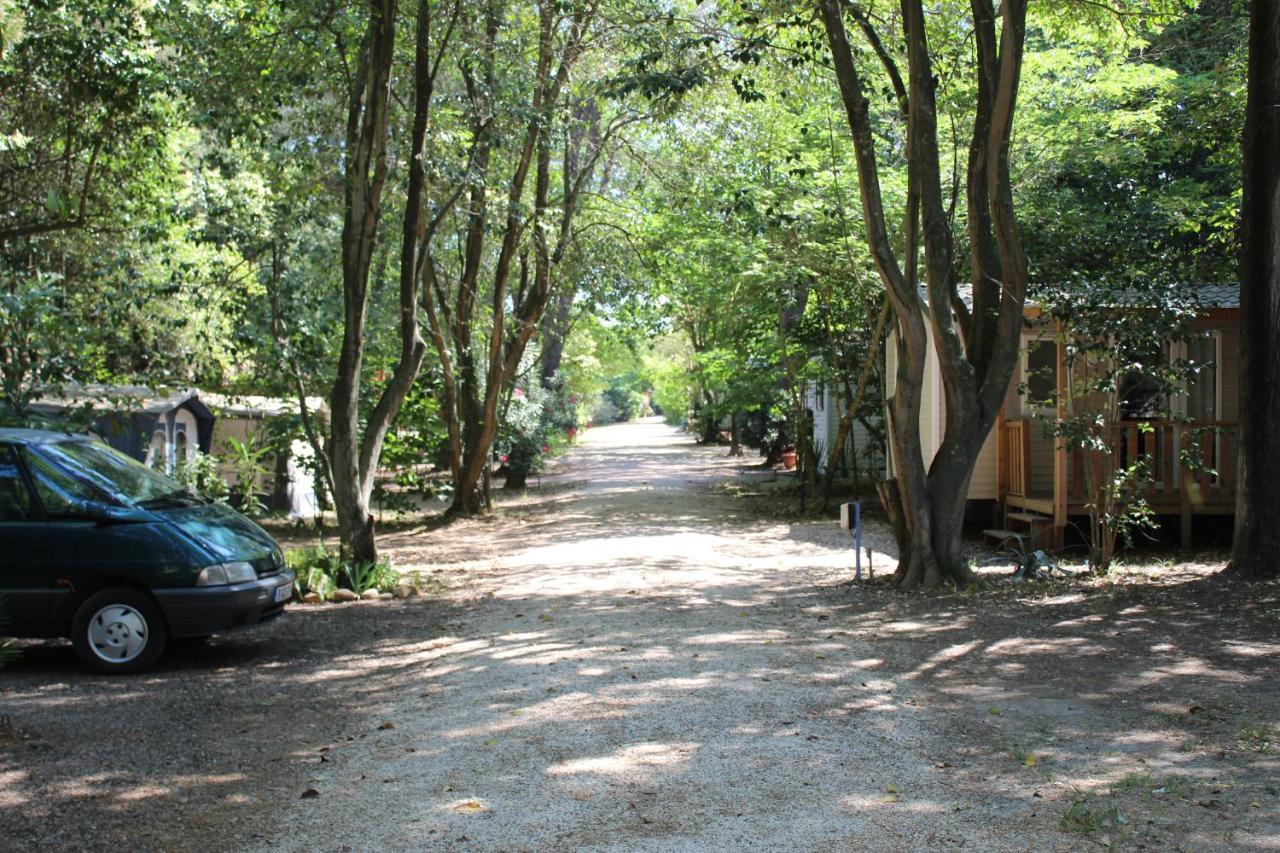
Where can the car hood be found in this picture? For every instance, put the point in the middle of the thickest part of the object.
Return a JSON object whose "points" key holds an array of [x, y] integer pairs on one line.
{"points": [[227, 534]]}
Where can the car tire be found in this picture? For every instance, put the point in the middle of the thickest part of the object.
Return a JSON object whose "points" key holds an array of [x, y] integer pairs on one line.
{"points": [[118, 631]]}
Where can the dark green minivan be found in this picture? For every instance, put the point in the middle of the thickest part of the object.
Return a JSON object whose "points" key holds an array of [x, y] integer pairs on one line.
{"points": [[120, 558]]}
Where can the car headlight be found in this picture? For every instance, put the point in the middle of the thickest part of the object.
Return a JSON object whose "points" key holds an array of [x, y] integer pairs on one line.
{"points": [[225, 574]]}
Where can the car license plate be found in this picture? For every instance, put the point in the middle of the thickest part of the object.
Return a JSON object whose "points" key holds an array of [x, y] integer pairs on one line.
{"points": [[284, 592]]}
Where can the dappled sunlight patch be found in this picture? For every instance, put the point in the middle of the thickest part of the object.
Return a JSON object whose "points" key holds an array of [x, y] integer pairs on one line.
{"points": [[1253, 649], [882, 703], [907, 626], [534, 654], [10, 781], [1146, 738], [1081, 621], [1015, 646], [640, 758], [891, 798], [143, 791], [950, 654], [733, 638], [1192, 668]]}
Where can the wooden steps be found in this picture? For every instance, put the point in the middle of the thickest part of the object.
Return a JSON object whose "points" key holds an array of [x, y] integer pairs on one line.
{"points": [[1038, 532]]}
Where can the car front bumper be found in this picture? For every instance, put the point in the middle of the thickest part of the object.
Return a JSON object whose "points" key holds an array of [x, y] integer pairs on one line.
{"points": [[202, 610]]}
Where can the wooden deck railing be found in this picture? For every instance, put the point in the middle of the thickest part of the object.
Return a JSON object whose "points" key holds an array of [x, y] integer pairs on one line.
{"points": [[1193, 462], [1210, 484]]}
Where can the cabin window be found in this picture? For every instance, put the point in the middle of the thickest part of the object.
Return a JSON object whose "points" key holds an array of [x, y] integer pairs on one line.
{"points": [[1039, 376], [1203, 388], [180, 448]]}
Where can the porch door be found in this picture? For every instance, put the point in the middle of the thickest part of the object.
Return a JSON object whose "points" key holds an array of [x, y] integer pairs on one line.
{"points": [[1204, 393]]}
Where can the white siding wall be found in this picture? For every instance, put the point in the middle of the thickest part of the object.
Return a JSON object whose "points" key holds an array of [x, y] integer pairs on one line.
{"points": [[933, 422], [827, 407]]}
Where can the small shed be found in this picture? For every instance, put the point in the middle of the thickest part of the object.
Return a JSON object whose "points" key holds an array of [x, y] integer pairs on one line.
{"points": [[158, 428], [163, 429]]}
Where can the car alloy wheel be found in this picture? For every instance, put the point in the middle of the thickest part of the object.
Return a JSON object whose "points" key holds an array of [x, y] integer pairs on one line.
{"points": [[118, 633]]}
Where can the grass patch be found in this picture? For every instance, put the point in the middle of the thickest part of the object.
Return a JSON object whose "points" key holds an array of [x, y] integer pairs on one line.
{"points": [[1262, 738], [1146, 785], [1090, 815]]}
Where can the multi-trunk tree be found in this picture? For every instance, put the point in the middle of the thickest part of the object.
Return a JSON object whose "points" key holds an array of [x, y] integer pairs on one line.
{"points": [[355, 447], [480, 342], [977, 347]]}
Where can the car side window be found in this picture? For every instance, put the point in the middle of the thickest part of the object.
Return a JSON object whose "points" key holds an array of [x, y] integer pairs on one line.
{"points": [[15, 498], [61, 494]]}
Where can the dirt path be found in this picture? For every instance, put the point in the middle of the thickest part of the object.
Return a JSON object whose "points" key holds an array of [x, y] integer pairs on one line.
{"points": [[648, 669], [639, 655]]}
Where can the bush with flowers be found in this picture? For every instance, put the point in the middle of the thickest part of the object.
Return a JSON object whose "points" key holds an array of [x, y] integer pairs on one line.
{"points": [[533, 427]]}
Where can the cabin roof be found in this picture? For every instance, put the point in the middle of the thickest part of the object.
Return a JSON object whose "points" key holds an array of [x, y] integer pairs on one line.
{"points": [[117, 398], [1207, 295], [255, 406]]}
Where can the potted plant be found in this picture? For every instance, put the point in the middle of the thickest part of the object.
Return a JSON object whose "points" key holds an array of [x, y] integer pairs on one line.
{"points": [[789, 458]]}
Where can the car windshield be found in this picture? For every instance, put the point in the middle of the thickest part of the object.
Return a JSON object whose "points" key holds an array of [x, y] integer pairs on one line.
{"points": [[99, 473]]}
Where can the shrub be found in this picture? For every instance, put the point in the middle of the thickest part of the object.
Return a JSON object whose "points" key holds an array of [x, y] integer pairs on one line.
{"points": [[199, 473], [319, 570]]}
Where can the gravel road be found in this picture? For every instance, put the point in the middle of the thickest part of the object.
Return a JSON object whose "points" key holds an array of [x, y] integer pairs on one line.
{"points": [[646, 669]]}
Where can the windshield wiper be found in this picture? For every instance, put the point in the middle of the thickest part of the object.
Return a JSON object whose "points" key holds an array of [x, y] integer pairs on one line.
{"points": [[180, 498]]}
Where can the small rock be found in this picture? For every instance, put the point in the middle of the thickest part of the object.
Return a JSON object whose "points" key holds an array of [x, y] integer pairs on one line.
{"points": [[370, 595], [312, 598], [345, 595], [386, 596], [403, 590]]}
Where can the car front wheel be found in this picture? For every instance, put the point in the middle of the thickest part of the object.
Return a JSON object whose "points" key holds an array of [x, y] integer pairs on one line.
{"points": [[118, 631]]}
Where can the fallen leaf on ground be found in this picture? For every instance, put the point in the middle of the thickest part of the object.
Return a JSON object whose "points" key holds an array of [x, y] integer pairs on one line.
{"points": [[469, 807]]}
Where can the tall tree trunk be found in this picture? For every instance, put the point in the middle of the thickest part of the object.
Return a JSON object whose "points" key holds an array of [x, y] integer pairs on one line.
{"points": [[1256, 551], [555, 328], [355, 454], [366, 173]]}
